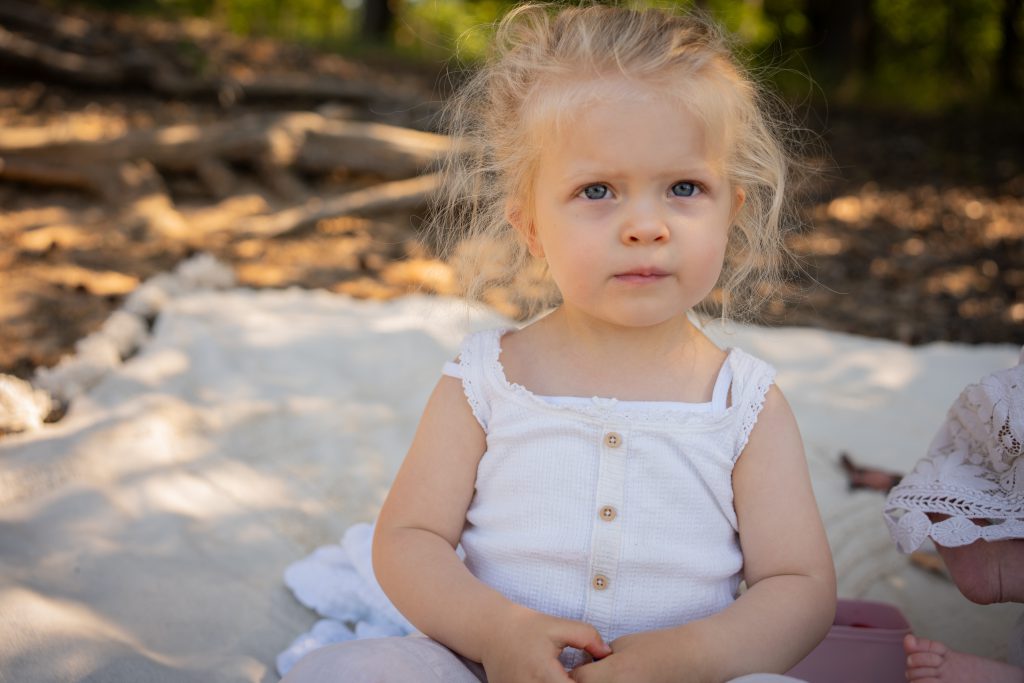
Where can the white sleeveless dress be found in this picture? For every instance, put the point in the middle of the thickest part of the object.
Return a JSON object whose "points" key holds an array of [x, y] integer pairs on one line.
{"points": [[616, 513]]}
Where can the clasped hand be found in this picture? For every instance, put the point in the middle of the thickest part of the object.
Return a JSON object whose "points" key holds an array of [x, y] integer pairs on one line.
{"points": [[525, 649]]}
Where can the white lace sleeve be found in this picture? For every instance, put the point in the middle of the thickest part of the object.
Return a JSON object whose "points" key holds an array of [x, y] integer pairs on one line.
{"points": [[973, 472]]}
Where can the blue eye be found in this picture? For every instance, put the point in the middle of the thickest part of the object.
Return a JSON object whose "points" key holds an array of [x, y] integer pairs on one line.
{"points": [[596, 191], [685, 189]]}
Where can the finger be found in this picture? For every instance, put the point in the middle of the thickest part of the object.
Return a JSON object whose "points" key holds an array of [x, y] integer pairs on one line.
{"points": [[585, 637]]}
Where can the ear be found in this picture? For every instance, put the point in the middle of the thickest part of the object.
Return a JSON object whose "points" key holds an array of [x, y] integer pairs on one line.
{"points": [[739, 198], [516, 217]]}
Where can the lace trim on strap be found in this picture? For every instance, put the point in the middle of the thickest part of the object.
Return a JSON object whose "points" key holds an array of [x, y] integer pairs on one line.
{"points": [[474, 357], [973, 471], [759, 377]]}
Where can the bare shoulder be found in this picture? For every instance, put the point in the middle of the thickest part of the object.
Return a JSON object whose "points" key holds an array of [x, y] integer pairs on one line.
{"points": [[779, 524], [449, 434], [775, 420], [774, 446], [434, 485]]}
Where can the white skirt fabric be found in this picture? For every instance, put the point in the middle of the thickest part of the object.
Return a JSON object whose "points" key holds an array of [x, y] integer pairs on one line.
{"points": [[337, 582]]}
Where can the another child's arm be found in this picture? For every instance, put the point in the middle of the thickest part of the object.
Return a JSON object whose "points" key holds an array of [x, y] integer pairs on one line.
{"points": [[790, 600], [415, 562]]}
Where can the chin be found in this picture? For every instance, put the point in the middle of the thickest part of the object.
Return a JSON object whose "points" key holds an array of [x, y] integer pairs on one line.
{"points": [[642, 319]]}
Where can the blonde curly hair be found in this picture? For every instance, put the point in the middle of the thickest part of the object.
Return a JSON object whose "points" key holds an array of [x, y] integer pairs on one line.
{"points": [[542, 58]]}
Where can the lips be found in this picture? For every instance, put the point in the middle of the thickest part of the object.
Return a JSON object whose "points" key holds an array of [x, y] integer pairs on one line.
{"points": [[641, 275]]}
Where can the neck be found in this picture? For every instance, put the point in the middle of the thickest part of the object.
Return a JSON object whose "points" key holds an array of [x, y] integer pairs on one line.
{"points": [[597, 341]]}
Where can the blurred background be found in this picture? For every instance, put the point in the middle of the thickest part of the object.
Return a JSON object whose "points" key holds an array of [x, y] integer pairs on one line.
{"points": [[293, 139]]}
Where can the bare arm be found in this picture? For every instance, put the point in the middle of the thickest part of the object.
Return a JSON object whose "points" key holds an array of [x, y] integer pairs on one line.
{"points": [[791, 596], [415, 562]]}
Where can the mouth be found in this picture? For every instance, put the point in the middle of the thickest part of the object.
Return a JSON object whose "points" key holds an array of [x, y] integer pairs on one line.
{"points": [[641, 275]]}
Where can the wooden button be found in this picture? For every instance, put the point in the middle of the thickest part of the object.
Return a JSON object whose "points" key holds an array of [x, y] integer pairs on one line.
{"points": [[608, 513], [600, 582], [613, 439]]}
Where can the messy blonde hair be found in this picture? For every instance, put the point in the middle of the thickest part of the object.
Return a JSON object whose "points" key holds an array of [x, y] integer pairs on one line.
{"points": [[542, 58]]}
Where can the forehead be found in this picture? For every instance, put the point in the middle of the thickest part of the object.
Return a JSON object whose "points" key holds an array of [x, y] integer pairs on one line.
{"points": [[622, 126], [621, 120]]}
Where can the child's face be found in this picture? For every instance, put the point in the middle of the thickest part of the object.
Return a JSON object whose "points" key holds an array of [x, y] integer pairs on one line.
{"points": [[630, 212]]}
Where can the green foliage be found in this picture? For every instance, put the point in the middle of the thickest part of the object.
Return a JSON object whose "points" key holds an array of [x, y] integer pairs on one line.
{"points": [[314, 21], [920, 54], [749, 21], [937, 53], [440, 28]]}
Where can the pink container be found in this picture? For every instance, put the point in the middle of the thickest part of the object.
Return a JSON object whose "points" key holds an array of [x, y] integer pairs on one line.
{"points": [[864, 645]]}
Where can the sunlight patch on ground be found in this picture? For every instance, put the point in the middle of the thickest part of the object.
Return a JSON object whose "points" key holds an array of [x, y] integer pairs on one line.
{"points": [[66, 619]]}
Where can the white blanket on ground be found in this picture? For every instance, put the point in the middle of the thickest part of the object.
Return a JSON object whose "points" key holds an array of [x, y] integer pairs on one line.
{"points": [[145, 536]]}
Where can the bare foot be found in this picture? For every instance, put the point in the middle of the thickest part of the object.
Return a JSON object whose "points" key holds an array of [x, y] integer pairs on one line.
{"points": [[929, 661]]}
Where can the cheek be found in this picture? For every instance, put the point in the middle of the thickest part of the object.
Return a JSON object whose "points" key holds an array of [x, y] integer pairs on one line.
{"points": [[569, 261], [569, 243], [707, 258]]}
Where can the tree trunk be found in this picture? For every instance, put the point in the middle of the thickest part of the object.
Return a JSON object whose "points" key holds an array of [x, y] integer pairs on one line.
{"points": [[1008, 60], [842, 36], [377, 20]]}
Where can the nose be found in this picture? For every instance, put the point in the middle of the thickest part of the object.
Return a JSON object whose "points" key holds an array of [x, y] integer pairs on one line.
{"points": [[644, 224]]}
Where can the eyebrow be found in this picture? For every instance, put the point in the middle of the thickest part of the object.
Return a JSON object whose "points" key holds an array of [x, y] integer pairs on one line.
{"points": [[585, 172]]}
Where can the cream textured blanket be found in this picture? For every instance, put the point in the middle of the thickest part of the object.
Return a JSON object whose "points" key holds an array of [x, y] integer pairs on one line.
{"points": [[145, 537]]}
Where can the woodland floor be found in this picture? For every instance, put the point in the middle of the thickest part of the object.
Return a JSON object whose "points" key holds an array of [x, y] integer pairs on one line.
{"points": [[915, 225]]}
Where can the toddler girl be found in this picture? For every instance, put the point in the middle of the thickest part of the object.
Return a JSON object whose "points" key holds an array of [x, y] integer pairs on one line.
{"points": [[610, 473]]}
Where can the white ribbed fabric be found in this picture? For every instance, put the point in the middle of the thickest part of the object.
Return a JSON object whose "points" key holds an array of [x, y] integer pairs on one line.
{"points": [[613, 513]]}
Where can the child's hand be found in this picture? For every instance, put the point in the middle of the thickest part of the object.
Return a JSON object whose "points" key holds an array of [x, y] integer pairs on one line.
{"points": [[526, 646], [636, 658]]}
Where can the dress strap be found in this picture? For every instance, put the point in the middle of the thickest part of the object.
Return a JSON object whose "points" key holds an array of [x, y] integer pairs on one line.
{"points": [[452, 369], [752, 377], [720, 395]]}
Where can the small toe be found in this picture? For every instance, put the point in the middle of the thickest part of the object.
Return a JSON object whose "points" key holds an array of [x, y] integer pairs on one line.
{"points": [[913, 644], [923, 674], [926, 659], [934, 646]]}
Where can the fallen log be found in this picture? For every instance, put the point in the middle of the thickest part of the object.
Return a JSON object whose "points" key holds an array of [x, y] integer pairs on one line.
{"points": [[140, 68], [218, 178], [38, 18], [67, 66], [147, 205], [88, 178], [281, 180], [391, 196], [309, 141], [102, 181]]}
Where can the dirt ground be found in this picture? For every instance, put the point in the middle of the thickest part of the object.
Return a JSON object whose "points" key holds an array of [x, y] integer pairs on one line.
{"points": [[915, 225]]}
